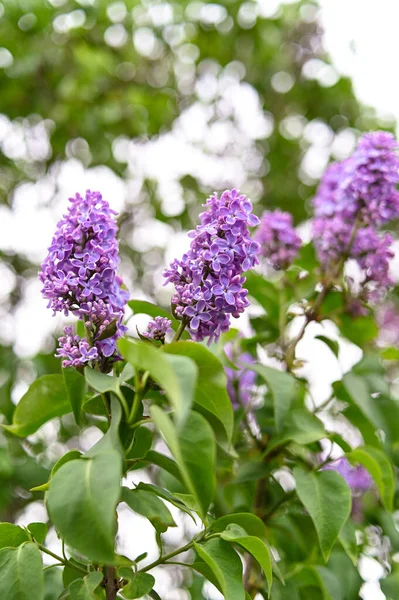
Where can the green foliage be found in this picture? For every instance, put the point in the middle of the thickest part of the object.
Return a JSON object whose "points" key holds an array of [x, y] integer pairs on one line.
{"points": [[21, 576], [225, 567], [327, 498], [46, 398], [194, 451]]}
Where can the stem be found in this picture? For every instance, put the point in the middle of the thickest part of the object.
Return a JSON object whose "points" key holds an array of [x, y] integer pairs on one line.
{"points": [[66, 563], [311, 314], [180, 330], [162, 559], [111, 587]]}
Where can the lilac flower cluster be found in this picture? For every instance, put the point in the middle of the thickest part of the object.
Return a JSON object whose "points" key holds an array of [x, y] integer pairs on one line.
{"points": [[278, 239], [240, 382], [79, 277], [209, 278], [357, 478], [158, 328], [354, 198]]}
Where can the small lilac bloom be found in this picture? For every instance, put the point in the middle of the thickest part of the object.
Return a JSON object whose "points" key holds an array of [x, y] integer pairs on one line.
{"points": [[158, 328], [279, 242], [357, 478], [240, 382]]}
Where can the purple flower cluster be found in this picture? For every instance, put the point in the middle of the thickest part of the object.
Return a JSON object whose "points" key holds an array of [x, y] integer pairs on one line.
{"points": [[209, 278], [388, 321], [79, 276], [357, 478], [278, 239], [354, 198], [240, 382], [158, 328]]}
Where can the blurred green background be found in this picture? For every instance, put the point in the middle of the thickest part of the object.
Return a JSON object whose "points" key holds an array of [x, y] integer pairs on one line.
{"points": [[165, 102]]}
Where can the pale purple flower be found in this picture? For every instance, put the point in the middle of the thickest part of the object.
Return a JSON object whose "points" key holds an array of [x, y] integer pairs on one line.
{"points": [[158, 328], [241, 381], [208, 279], [79, 276], [357, 478], [278, 239]]}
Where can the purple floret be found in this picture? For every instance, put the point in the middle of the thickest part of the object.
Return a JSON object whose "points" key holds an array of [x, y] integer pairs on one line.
{"points": [[240, 382], [158, 328], [208, 279], [278, 239], [79, 276], [357, 478]]}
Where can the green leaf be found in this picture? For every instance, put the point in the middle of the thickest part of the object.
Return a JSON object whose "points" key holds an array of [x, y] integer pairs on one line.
{"points": [[142, 443], [225, 565], [359, 394], [255, 546], [177, 378], [12, 536], [139, 584], [359, 330], [46, 399], [390, 586], [147, 308], [39, 531], [165, 463], [332, 344], [252, 524], [166, 495], [91, 485], [102, 383], [282, 387], [21, 575], [150, 506], [347, 538], [84, 589], [390, 353], [210, 392], [301, 427], [380, 469], [327, 498], [87, 520], [76, 387], [194, 451], [71, 455], [265, 293]]}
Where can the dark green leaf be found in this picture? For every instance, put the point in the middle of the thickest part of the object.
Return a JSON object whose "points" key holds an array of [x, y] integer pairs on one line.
{"points": [[332, 344], [282, 387], [147, 308], [150, 506], [12, 535], [177, 378], [225, 565], [76, 389], [142, 443], [194, 451], [327, 498], [380, 469], [39, 531], [210, 392], [139, 584], [165, 495], [85, 589], [252, 524], [71, 455], [347, 538], [45, 399], [21, 575], [255, 546], [301, 427]]}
